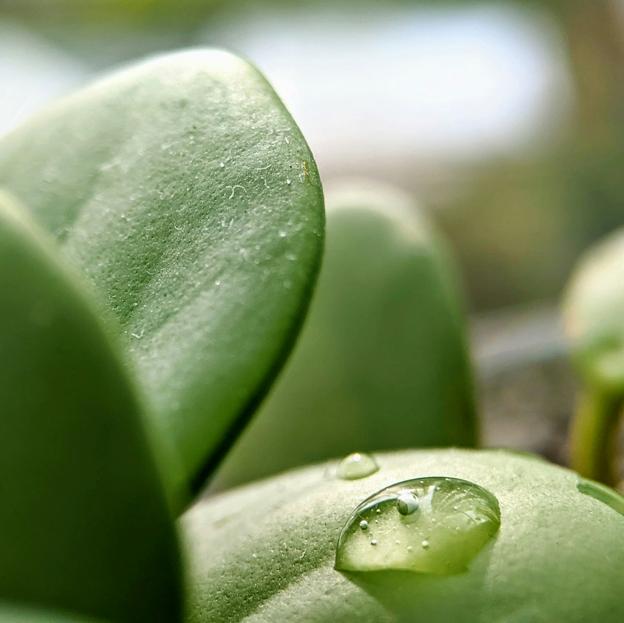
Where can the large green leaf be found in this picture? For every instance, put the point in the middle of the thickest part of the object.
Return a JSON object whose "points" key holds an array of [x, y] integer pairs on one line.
{"points": [[381, 362], [184, 191], [266, 552], [84, 523]]}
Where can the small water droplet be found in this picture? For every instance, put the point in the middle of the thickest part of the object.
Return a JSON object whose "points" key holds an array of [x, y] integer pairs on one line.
{"points": [[458, 516], [373, 542], [222, 165], [282, 234], [363, 524], [602, 493], [288, 181], [356, 465]]}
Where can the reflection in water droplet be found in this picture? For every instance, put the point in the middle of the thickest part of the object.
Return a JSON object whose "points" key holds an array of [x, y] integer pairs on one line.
{"points": [[449, 523], [407, 503], [356, 465], [602, 494]]}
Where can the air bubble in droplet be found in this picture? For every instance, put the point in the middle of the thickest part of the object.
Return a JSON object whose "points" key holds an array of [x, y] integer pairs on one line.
{"points": [[407, 503], [459, 517], [356, 465]]}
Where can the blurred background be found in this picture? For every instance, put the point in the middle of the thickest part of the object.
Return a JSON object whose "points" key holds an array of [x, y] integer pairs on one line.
{"points": [[505, 119]]}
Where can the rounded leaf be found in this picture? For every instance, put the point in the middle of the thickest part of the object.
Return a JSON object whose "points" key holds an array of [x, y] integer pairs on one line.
{"points": [[84, 523], [266, 552], [184, 191], [594, 314], [382, 359]]}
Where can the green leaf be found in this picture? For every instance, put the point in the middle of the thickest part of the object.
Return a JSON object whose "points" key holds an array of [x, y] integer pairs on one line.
{"points": [[594, 315], [15, 614], [593, 311], [266, 552], [84, 523], [184, 191], [382, 361]]}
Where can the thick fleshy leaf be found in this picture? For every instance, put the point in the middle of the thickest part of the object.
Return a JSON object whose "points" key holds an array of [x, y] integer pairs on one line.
{"points": [[266, 552], [594, 314], [593, 311], [84, 523], [184, 191], [381, 362]]}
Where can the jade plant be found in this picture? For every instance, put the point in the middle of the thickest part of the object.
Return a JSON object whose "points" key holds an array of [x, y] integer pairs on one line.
{"points": [[161, 232], [381, 362], [594, 324]]}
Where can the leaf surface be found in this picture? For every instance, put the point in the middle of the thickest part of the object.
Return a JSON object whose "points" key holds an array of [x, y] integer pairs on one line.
{"points": [[184, 191], [84, 523], [382, 359], [266, 551]]}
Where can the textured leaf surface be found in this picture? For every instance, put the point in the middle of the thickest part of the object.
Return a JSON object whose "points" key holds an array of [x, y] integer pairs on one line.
{"points": [[381, 362], [84, 524], [265, 552], [184, 191]]}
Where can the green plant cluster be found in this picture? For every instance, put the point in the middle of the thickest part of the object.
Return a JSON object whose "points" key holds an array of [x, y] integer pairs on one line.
{"points": [[161, 235]]}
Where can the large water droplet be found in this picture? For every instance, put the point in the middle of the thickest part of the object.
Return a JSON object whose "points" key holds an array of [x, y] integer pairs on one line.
{"points": [[356, 465], [602, 494], [440, 523]]}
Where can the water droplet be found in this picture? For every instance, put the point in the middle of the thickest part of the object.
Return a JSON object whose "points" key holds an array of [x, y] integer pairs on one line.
{"points": [[363, 524], [288, 181], [222, 165], [451, 522], [602, 494], [356, 465], [407, 503], [282, 234], [373, 542]]}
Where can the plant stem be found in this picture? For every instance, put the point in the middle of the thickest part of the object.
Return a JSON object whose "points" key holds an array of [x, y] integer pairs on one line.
{"points": [[593, 435]]}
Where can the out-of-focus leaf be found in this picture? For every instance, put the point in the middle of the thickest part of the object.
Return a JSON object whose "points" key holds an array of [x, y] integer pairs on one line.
{"points": [[382, 361], [84, 523]]}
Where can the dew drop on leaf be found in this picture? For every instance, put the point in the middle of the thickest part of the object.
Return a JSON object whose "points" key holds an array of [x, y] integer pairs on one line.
{"points": [[441, 524], [602, 494], [356, 465]]}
